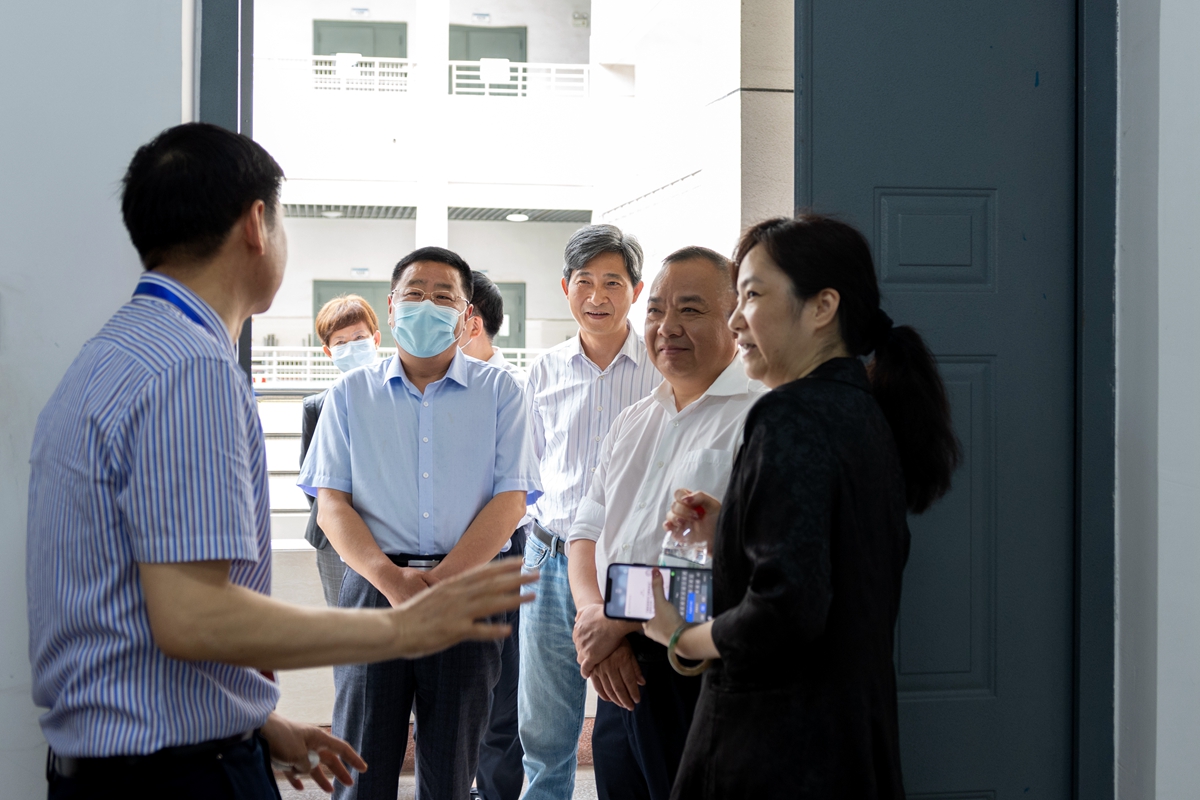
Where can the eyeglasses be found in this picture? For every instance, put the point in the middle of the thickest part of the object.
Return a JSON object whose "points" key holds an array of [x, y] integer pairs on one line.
{"points": [[439, 296]]}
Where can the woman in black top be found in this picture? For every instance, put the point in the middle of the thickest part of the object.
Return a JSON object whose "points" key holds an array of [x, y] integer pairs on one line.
{"points": [[811, 539]]}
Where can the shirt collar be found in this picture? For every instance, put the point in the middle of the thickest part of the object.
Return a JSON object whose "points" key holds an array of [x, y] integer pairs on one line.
{"points": [[456, 372], [732, 382], [497, 358], [199, 308], [633, 348]]}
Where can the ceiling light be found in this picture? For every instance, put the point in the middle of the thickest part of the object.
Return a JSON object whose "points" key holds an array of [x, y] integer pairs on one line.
{"points": [[517, 218], [331, 214]]}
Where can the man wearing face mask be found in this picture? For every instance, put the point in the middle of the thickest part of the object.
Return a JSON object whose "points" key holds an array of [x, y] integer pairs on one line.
{"points": [[349, 333], [426, 477]]}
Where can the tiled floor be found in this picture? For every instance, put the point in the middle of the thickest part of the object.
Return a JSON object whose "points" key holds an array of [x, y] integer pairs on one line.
{"points": [[585, 788]]}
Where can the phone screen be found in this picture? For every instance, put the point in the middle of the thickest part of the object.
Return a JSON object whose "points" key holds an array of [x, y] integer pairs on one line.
{"points": [[630, 593]]}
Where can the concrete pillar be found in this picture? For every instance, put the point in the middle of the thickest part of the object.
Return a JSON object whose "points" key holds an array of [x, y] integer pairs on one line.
{"points": [[767, 109], [430, 50]]}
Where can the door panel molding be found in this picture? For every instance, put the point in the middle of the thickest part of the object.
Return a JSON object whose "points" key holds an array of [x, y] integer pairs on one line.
{"points": [[945, 636]]}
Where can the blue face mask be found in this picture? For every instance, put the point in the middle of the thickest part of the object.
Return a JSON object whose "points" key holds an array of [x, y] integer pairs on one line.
{"points": [[358, 353], [424, 329]]}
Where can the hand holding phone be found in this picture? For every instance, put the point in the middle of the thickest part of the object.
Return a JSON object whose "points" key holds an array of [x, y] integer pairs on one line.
{"points": [[629, 594]]}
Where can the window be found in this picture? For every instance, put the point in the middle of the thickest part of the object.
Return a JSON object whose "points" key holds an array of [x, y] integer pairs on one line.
{"points": [[471, 43], [371, 39]]}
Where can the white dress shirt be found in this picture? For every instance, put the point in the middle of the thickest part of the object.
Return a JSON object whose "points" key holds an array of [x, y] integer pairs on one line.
{"points": [[572, 405], [652, 451]]}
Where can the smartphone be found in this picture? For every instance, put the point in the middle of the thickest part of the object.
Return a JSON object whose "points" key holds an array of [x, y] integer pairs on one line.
{"points": [[629, 593]]}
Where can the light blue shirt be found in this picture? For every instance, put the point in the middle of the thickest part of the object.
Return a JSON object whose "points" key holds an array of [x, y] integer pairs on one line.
{"points": [[421, 467], [149, 451]]}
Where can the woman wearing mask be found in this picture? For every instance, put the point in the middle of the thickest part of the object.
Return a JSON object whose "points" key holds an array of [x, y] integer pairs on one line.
{"points": [[349, 333], [811, 538]]}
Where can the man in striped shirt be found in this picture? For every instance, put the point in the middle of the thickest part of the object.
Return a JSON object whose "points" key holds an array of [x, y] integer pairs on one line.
{"points": [[149, 527], [575, 391]]}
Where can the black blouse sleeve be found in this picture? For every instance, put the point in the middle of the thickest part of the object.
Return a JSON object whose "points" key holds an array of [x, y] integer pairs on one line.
{"points": [[782, 500]]}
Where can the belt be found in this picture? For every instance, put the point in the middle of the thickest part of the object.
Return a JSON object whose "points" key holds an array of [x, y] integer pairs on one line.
{"points": [[69, 767], [415, 562], [552, 540]]}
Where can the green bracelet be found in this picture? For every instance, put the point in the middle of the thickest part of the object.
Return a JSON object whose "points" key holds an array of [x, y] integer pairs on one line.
{"points": [[687, 672]]}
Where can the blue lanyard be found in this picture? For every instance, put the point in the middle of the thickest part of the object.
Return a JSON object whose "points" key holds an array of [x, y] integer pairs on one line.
{"points": [[163, 293]]}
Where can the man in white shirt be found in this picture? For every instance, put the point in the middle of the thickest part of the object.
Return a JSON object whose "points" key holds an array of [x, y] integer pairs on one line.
{"points": [[575, 392], [684, 435], [500, 775]]}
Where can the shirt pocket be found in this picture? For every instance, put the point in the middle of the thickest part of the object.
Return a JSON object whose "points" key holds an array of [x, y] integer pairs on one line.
{"points": [[703, 471]]}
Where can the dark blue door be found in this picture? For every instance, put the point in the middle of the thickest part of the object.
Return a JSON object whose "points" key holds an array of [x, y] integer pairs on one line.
{"points": [[946, 131]]}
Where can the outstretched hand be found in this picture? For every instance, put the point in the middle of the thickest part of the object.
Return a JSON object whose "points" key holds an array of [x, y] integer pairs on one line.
{"points": [[452, 611]]}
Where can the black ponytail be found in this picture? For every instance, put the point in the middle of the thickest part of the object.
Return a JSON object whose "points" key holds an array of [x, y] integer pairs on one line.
{"points": [[818, 252]]}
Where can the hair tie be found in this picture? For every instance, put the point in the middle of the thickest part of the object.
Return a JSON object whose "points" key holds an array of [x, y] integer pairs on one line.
{"points": [[881, 328]]}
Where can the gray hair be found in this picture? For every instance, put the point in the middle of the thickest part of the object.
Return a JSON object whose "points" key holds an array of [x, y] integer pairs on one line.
{"points": [[593, 240]]}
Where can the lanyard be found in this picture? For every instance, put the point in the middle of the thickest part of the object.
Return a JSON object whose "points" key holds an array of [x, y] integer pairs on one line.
{"points": [[163, 293]]}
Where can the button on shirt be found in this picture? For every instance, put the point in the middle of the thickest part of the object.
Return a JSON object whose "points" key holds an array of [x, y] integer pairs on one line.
{"points": [[421, 467], [572, 406], [149, 451], [653, 450]]}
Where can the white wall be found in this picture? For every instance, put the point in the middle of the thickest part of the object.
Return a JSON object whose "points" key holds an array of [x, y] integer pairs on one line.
{"points": [[1178, 679], [526, 252], [1158, 381], [65, 262], [327, 249], [700, 150]]}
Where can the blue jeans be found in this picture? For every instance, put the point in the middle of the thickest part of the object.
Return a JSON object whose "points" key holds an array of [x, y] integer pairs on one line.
{"points": [[551, 692]]}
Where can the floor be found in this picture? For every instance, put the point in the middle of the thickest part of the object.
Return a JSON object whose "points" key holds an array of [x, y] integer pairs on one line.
{"points": [[585, 788]]}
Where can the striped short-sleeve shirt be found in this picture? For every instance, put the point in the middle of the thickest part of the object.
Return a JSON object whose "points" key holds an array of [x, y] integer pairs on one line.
{"points": [[572, 405], [149, 451]]}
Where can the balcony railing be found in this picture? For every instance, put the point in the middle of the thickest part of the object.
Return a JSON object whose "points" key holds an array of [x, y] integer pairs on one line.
{"points": [[309, 368], [499, 77], [488, 77], [353, 73]]}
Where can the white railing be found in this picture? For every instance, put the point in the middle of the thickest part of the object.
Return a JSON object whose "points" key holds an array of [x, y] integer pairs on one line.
{"points": [[350, 72], [499, 77], [309, 367]]}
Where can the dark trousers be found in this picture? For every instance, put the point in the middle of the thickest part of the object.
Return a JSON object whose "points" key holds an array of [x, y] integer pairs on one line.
{"points": [[637, 753], [239, 772], [451, 691], [501, 773]]}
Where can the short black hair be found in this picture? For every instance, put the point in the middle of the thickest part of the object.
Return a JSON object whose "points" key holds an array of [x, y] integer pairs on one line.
{"points": [[438, 255], [186, 188], [489, 304]]}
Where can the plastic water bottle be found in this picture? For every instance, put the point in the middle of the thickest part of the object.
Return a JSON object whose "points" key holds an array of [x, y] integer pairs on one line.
{"points": [[684, 550]]}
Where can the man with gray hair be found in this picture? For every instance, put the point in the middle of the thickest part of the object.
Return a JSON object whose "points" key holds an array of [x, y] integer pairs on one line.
{"points": [[575, 391]]}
